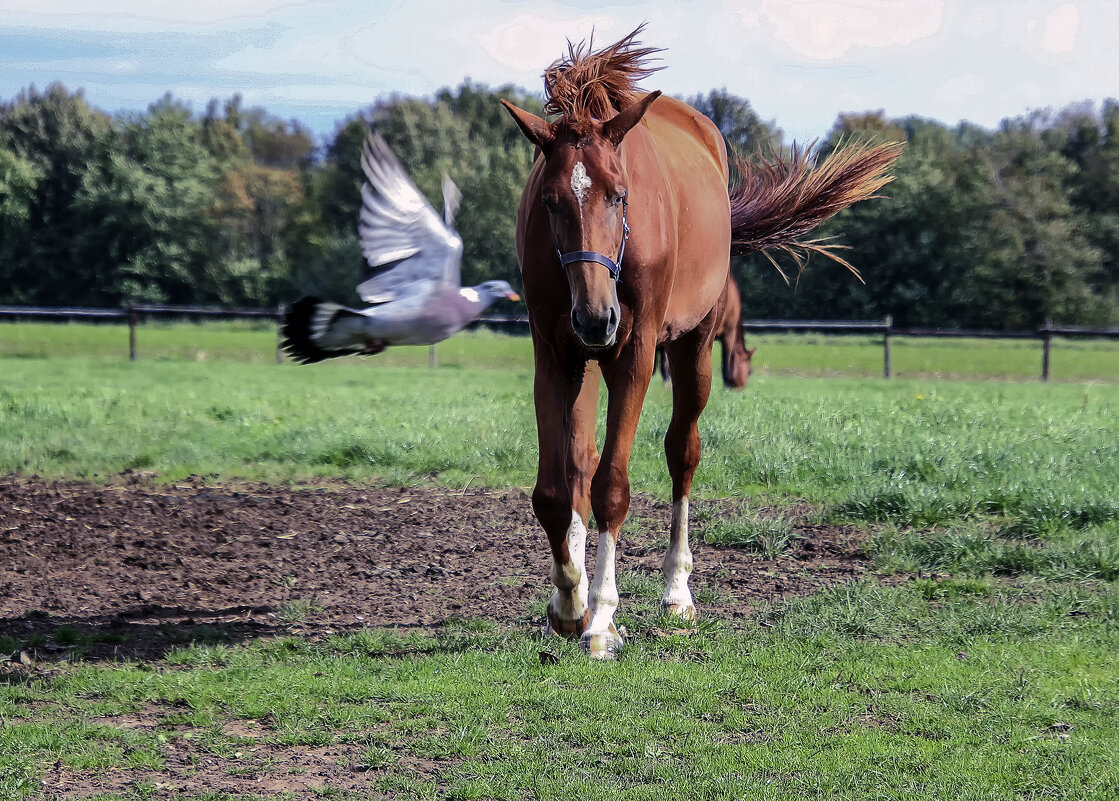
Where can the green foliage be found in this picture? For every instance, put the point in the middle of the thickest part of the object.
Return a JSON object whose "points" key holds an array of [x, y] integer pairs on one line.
{"points": [[144, 208], [746, 134], [154, 207], [57, 139], [979, 229], [994, 229]]}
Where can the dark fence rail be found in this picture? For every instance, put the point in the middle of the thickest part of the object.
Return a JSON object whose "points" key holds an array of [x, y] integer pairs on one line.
{"points": [[79, 312], [519, 325], [62, 312], [132, 315]]}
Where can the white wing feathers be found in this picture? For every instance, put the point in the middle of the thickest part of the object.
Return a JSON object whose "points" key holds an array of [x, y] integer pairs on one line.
{"points": [[452, 197], [409, 249]]}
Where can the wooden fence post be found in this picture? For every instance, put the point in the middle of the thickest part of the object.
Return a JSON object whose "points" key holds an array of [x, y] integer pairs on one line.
{"points": [[1046, 339], [280, 311], [886, 346], [132, 320]]}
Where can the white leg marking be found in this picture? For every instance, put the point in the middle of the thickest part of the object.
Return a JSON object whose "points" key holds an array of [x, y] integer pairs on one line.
{"points": [[677, 565], [604, 590], [566, 604]]}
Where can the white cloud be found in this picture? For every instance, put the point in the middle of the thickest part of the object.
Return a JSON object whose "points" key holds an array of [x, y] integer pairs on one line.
{"points": [[148, 15], [88, 66], [311, 54], [961, 88], [531, 41], [827, 30], [1060, 27], [749, 17]]}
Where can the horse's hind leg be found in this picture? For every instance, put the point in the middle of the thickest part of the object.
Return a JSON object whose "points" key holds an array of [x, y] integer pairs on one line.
{"points": [[565, 417], [690, 360], [662, 365]]}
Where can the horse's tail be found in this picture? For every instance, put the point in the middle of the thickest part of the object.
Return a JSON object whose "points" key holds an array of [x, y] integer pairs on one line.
{"points": [[781, 200]]}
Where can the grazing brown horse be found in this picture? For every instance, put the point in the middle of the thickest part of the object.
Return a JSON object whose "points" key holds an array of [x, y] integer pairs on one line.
{"points": [[624, 237], [728, 332]]}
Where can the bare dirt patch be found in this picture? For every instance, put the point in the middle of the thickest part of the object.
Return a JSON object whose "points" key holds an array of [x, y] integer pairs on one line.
{"points": [[135, 568], [132, 569]]}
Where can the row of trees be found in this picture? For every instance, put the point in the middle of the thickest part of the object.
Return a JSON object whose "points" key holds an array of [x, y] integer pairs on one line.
{"points": [[1003, 228]]}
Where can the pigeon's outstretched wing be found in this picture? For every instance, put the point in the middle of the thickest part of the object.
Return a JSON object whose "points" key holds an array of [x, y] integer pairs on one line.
{"points": [[452, 198], [409, 249]]}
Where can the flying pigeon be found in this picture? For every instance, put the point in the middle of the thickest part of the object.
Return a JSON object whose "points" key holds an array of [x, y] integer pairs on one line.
{"points": [[412, 283]]}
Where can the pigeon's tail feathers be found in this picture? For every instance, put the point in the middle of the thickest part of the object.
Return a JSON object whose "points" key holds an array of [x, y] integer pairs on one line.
{"points": [[315, 329], [321, 318]]}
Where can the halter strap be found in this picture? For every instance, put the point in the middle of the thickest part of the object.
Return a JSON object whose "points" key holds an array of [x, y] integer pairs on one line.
{"points": [[615, 267], [590, 255]]}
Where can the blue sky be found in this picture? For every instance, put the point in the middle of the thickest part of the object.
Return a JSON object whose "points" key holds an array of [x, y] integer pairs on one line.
{"points": [[799, 62]]}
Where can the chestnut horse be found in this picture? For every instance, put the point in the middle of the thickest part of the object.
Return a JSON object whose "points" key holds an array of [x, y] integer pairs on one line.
{"points": [[728, 332], [624, 236]]}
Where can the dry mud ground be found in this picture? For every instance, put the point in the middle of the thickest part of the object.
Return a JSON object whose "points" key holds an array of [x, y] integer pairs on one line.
{"points": [[132, 557]]}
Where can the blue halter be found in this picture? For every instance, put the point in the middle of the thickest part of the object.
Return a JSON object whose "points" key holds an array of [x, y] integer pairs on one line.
{"points": [[615, 267]]}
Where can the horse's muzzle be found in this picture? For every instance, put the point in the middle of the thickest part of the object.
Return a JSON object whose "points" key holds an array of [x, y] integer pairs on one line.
{"points": [[596, 330]]}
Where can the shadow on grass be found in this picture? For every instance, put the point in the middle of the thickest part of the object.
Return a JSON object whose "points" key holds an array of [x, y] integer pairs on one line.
{"points": [[149, 633]]}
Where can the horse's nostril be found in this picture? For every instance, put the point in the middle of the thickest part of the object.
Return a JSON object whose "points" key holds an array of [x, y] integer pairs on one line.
{"points": [[592, 329]]}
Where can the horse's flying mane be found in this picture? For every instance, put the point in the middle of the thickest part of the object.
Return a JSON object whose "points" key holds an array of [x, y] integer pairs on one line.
{"points": [[588, 84]]}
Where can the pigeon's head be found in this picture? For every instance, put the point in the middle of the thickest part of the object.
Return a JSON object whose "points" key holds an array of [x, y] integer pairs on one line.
{"points": [[495, 290]]}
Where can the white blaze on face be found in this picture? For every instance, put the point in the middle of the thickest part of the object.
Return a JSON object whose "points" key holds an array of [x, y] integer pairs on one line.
{"points": [[580, 184]]}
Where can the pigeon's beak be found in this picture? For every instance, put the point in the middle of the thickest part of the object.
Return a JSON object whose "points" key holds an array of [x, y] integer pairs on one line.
{"points": [[513, 296]]}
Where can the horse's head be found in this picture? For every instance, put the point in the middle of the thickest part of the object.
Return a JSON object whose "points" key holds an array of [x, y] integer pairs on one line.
{"points": [[584, 188], [736, 366]]}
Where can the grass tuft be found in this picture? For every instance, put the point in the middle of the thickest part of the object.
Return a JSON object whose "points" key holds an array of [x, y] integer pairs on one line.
{"points": [[767, 535]]}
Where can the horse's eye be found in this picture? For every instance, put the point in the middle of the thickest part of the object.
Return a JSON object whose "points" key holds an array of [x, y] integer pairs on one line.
{"points": [[550, 203], [618, 198]]}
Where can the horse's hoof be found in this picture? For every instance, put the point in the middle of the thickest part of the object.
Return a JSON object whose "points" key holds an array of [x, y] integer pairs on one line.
{"points": [[602, 644], [568, 629], [682, 611]]}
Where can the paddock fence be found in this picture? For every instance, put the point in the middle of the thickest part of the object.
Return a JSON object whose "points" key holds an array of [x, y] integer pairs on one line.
{"points": [[518, 325]]}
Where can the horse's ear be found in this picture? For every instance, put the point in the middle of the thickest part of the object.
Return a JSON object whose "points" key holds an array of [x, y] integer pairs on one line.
{"points": [[616, 128], [539, 131], [750, 353]]}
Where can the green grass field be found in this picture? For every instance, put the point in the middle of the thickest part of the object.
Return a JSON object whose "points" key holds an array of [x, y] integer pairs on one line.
{"points": [[984, 664], [1077, 360]]}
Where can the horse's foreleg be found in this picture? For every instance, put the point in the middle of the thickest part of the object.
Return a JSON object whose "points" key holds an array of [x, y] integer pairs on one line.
{"points": [[627, 380], [691, 387], [565, 412]]}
